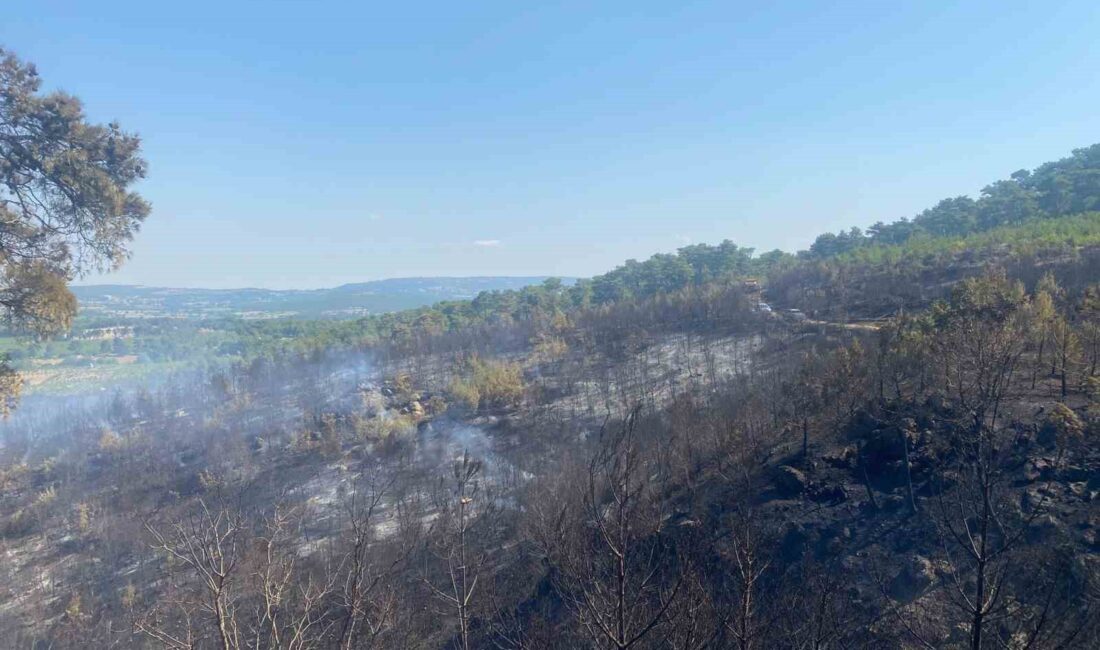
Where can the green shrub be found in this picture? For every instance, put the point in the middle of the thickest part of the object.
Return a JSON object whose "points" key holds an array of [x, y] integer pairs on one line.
{"points": [[485, 383], [465, 393]]}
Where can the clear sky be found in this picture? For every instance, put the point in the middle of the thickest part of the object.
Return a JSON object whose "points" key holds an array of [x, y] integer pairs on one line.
{"points": [[311, 144]]}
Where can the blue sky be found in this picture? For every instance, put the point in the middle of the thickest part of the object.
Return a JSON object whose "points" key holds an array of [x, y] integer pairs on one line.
{"points": [[312, 144]]}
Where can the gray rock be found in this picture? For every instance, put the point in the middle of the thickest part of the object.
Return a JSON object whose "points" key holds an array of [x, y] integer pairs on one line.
{"points": [[1076, 473], [1038, 468], [1091, 538], [796, 538], [917, 575], [829, 493], [1036, 497], [893, 502], [842, 459], [789, 481], [1045, 528]]}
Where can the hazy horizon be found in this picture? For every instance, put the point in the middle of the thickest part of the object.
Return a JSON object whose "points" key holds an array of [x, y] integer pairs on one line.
{"points": [[295, 147], [104, 281]]}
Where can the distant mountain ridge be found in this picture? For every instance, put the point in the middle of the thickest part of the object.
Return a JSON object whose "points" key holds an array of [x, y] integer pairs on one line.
{"points": [[344, 301]]}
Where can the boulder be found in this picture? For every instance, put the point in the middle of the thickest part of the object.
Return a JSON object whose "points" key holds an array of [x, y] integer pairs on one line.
{"points": [[789, 481], [842, 459], [883, 446], [1036, 496], [892, 502], [796, 538], [917, 575], [1091, 538], [1045, 528], [829, 493], [1077, 473], [1038, 468]]}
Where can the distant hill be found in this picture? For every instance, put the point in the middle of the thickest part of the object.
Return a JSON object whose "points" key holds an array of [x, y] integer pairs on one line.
{"points": [[345, 301]]}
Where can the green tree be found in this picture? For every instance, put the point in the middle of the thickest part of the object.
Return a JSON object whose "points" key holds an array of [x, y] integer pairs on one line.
{"points": [[1005, 203], [949, 217], [66, 207], [1044, 315], [1089, 315]]}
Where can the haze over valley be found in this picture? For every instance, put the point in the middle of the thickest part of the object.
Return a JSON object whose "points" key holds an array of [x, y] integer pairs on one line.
{"points": [[345, 301]]}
